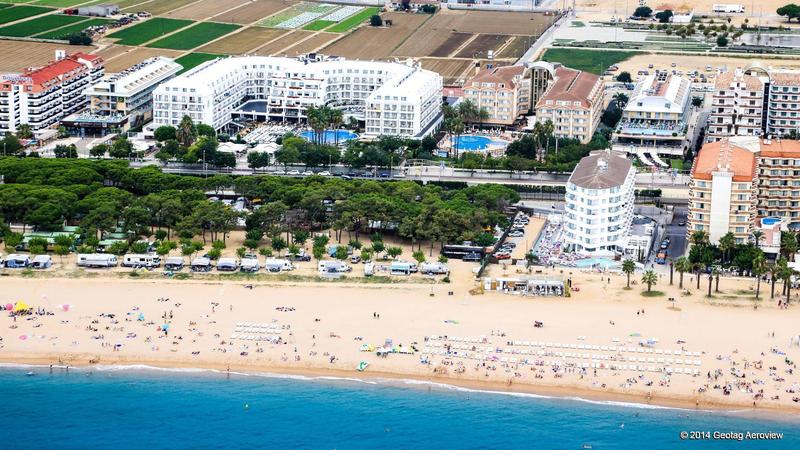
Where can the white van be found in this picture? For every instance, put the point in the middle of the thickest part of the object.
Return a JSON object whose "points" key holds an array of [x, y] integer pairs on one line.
{"points": [[278, 265], [141, 260], [42, 262], [17, 261], [96, 260]]}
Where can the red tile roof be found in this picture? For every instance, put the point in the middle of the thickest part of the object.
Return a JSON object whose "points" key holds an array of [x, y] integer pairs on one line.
{"points": [[724, 155], [570, 85]]}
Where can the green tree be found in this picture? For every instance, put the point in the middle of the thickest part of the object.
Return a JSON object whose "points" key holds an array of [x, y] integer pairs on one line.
{"points": [[118, 248], [624, 77], [394, 252], [164, 133], [726, 243], [277, 243], [642, 11], [682, 265], [759, 269], [12, 240], [649, 278], [186, 132], [375, 21], [24, 131], [790, 11], [628, 267], [121, 148], [341, 252], [419, 256]]}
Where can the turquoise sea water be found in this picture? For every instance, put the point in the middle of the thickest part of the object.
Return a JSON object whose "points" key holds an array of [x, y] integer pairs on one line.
{"points": [[143, 408]]}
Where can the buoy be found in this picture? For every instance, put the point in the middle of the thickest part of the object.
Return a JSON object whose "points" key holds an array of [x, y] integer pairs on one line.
{"points": [[246, 406]]}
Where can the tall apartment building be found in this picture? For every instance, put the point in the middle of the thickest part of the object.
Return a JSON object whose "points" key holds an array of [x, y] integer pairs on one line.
{"points": [[657, 112], [505, 93], [783, 112], [738, 180], [392, 98], [599, 203], [755, 101], [779, 181], [723, 189], [42, 97], [737, 105], [573, 103]]}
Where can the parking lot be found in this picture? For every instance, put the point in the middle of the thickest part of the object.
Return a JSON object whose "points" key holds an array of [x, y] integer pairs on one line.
{"points": [[523, 244]]}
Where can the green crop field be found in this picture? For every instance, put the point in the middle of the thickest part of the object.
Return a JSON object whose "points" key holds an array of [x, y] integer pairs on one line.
{"points": [[354, 21], [21, 12], [194, 59], [75, 28], [5, 5], [40, 25], [593, 61], [59, 3], [318, 25], [148, 30], [195, 36]]}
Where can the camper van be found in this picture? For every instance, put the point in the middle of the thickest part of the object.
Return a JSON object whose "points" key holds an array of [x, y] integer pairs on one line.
{"points": [[174, 263], [402, 268], [729, 8], [142, 260], [96, 260], [201, 265], [301, 255], [17, 261], [42, 261], [250, 265], [434, 268], [228, 265], [369, 269], [332, 267], [278, 265]]}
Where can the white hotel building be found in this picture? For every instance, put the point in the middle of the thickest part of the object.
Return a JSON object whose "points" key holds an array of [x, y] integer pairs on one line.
{"points": [[391, 98], [599, 203]]}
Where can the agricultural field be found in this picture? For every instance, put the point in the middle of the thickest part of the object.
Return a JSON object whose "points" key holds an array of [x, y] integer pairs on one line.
{"points": [[490, 22], [58, 3], [21, 12], [450, 69], [253, 11], [318, 25], [312, 44], [432, 41], [193, 60], [159, 7], [247, 40], [75, 28], [298, 15], [112, 51], [287, 40], [204, 9], [354, 21], [517, 47], [593, 61], [480, 46], [148, 30], [377, 42], [17, 55], [40, 25], [135, 56], [195, 36], [124, 4]]}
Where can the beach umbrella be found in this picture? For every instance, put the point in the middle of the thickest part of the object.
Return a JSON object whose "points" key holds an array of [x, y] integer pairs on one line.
{"points": [[65, 307], [23, 337], [9, 306], [21, 306]]}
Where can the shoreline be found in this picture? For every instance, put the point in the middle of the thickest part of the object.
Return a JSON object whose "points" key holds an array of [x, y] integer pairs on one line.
{"points": [[574, 393]]}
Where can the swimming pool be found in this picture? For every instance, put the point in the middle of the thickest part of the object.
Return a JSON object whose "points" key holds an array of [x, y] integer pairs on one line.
{"points": [[475, 142], [602, 262], [770, 220], [330, 136]]}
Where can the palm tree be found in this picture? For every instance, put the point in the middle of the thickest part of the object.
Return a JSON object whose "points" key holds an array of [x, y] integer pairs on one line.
{"points": [[787, 273], [716, 273], [757, 236], [759, 268], [621, 99], [710, 279], [482, 116], [788, 245], [774, 270], [628, 267], [24, 131], [699, 238], [726, 243], [682, 265], [186, 132], [336, 118], [649, 278], [697, 267]]}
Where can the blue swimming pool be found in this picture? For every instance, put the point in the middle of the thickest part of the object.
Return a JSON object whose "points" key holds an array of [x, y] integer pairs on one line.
{"points": [[600, 262], [331, 136], [475, 142], [770, 220]]}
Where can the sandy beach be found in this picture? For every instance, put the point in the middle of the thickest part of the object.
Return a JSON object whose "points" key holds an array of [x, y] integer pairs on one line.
{"points": [[320, 328]]}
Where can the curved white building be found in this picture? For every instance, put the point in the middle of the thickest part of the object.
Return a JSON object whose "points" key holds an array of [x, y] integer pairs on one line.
{"points": [[599, 203], [399, 99]]}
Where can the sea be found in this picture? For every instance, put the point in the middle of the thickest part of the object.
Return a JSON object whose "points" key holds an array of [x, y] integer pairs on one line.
{"points": [[142, 407]]}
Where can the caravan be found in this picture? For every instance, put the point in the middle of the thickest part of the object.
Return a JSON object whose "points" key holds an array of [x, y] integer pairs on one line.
{"points": [[174, 263], [144, 260], [16, 261], [328, 267], [278, 265], [434, 268], [96, 260], [228, 265], [201, 264], [250, 265], [402, 268], [42, 262]]}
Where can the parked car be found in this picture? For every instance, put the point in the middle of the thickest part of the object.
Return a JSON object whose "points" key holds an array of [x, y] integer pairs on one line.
{"points": [[502, 255], [279, 172], [324, 173], [293, 172], [516, 233], [307, 173]]}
